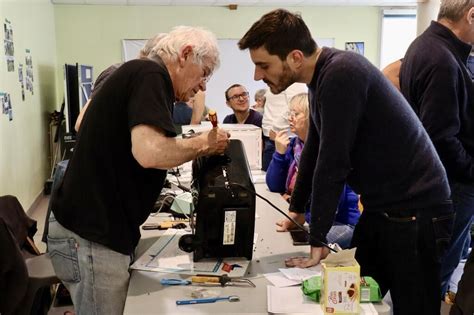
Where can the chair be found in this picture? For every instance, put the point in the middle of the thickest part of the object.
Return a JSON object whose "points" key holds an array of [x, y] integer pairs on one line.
{"points": [[23, 271]]}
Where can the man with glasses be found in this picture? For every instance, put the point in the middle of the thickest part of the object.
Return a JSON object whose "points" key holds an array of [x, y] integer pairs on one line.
{"points": [[124, 147], [237, 98]]}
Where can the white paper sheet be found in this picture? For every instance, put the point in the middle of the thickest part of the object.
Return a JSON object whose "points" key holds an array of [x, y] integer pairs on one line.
{"points": [[300, 274], [279, 280]]}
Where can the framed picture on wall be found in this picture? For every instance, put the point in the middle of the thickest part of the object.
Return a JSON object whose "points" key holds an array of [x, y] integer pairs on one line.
{"points": [[357, 47]]}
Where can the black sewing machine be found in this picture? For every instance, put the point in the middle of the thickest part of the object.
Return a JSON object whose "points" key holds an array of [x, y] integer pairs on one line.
{"points": [[225, 207]]}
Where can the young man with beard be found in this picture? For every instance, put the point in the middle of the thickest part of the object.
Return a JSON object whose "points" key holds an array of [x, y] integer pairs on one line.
{"points": [[362, 132]]}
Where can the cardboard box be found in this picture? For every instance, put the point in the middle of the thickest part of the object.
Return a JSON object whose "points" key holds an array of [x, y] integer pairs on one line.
{"points": [[341, 283]]}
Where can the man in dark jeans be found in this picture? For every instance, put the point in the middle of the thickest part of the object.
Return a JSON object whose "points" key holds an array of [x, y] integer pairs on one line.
{"points": [[438, 85], [362, 132]]}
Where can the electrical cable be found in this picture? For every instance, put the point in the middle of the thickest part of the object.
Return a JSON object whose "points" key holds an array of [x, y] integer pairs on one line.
{"points": [[299, 226]]}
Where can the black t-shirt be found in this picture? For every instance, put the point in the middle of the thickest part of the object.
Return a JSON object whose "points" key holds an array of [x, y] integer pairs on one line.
{"points": [[106, 195]]}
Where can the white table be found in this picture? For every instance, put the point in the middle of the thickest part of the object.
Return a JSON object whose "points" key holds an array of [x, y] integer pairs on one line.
{"points": [[147, 296]]}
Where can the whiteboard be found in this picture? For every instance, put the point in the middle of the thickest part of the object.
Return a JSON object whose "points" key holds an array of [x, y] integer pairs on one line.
{"points": [[236, 67]]}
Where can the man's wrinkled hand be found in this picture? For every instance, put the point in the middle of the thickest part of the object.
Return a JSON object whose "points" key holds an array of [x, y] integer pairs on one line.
{"points": [[217, 141]]}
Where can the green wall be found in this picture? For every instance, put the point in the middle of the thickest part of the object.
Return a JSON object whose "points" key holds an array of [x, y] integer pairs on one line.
{"points": [[24, 142], [58, 34], [92, 34]]}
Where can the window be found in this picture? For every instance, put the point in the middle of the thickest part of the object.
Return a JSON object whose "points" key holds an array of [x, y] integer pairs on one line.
{"points": [[398, 31]]}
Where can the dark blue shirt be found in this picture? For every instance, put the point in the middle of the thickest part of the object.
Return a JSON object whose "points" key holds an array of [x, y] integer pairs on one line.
{"points": [[182, 113], [370, 139], [254, 118], [436, 82]]}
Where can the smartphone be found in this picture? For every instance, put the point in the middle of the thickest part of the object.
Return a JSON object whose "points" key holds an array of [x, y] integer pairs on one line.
{"points": [[299, 237]]}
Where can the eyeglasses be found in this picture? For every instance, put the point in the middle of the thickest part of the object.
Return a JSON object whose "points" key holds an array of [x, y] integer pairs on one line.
{"points": [[294, 114], [236, 97]]}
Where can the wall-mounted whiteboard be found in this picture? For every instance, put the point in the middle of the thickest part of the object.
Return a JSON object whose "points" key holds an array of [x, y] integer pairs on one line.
{"points": [[236, 67]]}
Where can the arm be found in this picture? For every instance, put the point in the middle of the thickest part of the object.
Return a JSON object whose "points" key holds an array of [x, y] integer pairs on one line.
{"points": [[81, 115], [152, 149], [277, 171], [308, 160], [198, 108], [441, 103]]}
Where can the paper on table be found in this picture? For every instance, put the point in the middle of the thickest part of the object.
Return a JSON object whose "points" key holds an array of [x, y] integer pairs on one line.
{"points": [[300, 274], [279, 280], [291, 300]]}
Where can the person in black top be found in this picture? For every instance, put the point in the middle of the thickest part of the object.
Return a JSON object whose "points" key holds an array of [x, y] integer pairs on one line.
{"points": [[362, 132], [435, 80], [124, 146], [143, 53], [237, 98]]}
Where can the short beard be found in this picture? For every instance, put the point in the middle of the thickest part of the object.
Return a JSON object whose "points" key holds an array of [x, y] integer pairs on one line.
{"points": [[286, 79]]}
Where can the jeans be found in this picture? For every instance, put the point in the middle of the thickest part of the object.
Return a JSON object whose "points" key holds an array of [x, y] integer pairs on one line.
{"points": [[340, 234], [96, 277], [267, 153], [463, 202], [57, 180], [464, 301], [402, 251]]}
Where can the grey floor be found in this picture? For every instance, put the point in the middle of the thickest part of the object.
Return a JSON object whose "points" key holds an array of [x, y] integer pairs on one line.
{"points": [[40, 208]]}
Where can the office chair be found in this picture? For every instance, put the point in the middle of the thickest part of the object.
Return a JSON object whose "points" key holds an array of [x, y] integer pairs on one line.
{"points": [[23, 271]]}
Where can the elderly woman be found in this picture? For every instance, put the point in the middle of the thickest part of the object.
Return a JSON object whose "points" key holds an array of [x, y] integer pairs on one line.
{"points": [[283, 169]]}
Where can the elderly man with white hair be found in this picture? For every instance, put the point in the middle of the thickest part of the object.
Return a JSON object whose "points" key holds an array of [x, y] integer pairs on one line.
{"points": [[124, 147]]}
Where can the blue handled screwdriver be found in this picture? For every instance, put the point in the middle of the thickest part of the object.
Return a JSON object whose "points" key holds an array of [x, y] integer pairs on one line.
{"points": [[230, 298]]}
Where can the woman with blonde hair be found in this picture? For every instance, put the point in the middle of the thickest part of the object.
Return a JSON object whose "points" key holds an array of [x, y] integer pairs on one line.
{"points": [[283, 170]]}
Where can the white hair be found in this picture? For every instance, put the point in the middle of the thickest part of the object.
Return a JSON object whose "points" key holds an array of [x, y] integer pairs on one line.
{"points": [[203, 42], [300, 100], [146, 49]]}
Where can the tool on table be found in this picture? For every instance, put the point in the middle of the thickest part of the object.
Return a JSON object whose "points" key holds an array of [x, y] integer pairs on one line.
{"points": [[167, 281], [223, 280], [230, 298], [164, 225]]}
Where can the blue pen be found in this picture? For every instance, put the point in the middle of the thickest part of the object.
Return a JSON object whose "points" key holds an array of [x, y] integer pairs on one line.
{"points": [[230, 298]]}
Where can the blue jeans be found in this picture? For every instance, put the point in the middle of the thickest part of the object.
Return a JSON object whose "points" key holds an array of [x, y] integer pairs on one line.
{"points": [[57, 180], [463, 202], [402, 251], [340, 234], [268, 151], [96, 276]]}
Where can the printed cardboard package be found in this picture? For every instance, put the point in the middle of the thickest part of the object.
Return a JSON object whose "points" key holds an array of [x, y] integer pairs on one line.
{"points": [[341, 283]]}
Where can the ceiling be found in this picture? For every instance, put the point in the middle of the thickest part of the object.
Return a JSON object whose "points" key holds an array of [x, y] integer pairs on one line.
{"points": [[244, 2]]}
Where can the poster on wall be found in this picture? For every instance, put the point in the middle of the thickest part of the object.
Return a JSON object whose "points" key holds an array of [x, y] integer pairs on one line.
{"points": [[357, 47], [6, 103], [22, 82], [8, 45], [29, 72]]}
